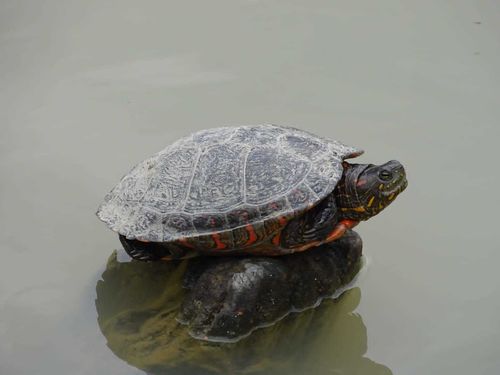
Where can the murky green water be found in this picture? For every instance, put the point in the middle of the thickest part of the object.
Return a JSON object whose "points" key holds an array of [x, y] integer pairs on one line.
{"points": [[89, 88]]}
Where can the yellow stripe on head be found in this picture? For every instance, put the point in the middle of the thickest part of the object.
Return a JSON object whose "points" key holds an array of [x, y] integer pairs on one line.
{"points": [[370, 202]]}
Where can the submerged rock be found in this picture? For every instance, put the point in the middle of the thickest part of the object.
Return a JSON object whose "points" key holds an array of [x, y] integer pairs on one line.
{"points": [[139, 306]]}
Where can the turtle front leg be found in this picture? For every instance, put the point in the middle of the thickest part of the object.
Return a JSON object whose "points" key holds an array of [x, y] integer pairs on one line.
{"points": [[338, 231], [317, 226]]}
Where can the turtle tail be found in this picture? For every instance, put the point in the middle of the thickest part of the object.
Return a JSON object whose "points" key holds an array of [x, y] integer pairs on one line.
{"points": [[153, 251]]}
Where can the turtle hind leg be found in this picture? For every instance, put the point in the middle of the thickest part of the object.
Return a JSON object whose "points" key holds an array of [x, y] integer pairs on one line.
{"points": [[152, 251], [138, 250]]}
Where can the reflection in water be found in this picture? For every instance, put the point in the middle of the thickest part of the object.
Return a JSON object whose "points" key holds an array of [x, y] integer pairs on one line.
{"points": [[137, 305]]}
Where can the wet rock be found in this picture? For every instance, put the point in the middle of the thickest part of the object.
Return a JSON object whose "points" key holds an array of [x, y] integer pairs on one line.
{"points": [[234, 296], [230, 297]]}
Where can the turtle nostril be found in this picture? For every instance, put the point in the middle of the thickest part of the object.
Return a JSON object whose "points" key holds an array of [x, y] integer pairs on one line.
{"points": [[401, 171]]}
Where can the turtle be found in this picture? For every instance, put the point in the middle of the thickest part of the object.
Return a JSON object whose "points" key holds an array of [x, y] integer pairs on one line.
{"points": [[248, 190]]}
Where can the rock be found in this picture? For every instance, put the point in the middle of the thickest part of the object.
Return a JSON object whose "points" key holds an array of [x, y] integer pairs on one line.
{"points": [[139, 305], [230, 297]]}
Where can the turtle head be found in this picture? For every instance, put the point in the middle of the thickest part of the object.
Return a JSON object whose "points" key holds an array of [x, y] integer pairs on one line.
{"points": [[366, 189]]}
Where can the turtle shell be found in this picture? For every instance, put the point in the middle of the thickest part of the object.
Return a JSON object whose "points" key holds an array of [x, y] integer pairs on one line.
{"points": [[221, 179]]}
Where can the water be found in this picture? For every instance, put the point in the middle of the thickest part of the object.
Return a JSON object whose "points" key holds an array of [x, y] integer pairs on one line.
{"points": [[89, 88]]}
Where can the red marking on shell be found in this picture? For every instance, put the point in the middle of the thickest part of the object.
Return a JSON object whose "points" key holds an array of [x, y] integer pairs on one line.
{"points": [[276, 239], [219, 245], [252, 237], [361, 182]]}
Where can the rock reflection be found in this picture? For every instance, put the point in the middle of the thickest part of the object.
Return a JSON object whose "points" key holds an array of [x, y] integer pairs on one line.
{"points": [[138, 306]]}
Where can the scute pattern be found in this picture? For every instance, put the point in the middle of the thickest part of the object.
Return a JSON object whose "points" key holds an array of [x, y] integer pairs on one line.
{"points": [[177, 223], [221, 180], [167, 188], [270, 172], [301, 196], [218, 180], [305, 146]]}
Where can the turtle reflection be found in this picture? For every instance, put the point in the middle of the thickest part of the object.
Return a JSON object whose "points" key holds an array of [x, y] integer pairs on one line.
{"points": [[139, 305]]}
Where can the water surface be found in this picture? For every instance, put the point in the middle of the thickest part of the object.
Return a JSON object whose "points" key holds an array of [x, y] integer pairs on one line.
{"points": [[89, 88]]}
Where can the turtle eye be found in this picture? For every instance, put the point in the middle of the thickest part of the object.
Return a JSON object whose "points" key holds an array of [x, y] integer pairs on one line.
{"points": [[385, 175]]}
